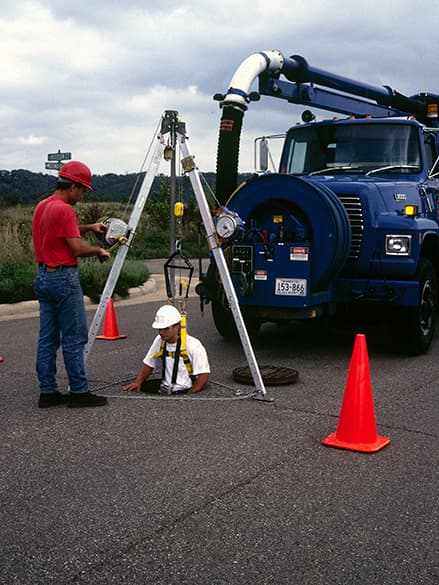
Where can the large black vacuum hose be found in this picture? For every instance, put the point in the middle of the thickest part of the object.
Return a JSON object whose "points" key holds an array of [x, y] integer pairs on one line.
{"points": [[228, 153]]}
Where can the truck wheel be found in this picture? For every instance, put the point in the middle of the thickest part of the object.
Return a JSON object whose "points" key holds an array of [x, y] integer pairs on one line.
{"points": [[413, 327], [225, 322]]}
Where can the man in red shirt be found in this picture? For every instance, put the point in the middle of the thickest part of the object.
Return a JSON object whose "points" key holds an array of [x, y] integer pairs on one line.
{"points": [[57, 245]]}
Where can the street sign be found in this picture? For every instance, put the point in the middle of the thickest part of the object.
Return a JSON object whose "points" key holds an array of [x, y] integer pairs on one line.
{"points": [[59, 156], [55, 166]]}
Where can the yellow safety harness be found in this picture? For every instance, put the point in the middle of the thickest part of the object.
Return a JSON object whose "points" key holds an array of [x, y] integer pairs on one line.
{"points": [[180, 351]]}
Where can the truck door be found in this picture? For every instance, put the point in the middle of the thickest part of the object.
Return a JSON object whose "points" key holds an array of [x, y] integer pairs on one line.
{"points": [[432, 163]]}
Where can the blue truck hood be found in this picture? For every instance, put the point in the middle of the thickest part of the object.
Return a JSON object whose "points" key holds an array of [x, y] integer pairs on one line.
{"points": [[393, 195]]}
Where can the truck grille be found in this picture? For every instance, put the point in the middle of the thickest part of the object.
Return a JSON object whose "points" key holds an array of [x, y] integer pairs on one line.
{"points": [[352, 204]]}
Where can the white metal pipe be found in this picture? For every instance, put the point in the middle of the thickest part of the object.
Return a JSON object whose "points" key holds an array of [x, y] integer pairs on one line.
{"points": [[247, 72]]}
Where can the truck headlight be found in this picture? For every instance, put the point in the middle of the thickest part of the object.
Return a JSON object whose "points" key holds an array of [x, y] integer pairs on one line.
{"points": [[398, 245]]}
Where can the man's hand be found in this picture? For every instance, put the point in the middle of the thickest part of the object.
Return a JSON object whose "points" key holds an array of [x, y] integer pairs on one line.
{"points": [[133, 386], [199, 384], [143, 375], [103, 255], [99, 228]]}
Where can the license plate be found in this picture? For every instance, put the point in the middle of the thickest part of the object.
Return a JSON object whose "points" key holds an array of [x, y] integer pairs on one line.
{"points": [[293, 287]]}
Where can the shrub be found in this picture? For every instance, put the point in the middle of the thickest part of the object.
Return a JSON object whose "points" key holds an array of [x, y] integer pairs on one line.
{"points": [[94, 276], [16, 282], [90, 212], [17, 266], [16, 249]]}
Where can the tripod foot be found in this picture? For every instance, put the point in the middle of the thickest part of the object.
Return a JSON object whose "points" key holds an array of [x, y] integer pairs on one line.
{"points": [[262, 397]]}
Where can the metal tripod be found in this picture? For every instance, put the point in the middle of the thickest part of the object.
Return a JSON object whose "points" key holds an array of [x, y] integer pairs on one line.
{"points": [[170, 122]]}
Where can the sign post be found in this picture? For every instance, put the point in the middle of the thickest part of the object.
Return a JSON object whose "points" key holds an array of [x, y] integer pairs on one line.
{"points": [[54, 160]]}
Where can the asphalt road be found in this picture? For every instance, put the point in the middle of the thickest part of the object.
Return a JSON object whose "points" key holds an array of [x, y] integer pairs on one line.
{"points": [[218, 489]]}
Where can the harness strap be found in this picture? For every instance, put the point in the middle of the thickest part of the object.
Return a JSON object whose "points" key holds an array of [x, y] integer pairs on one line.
{"points": [[163, 352], [176, 360], [163, 356], [158, 353]]}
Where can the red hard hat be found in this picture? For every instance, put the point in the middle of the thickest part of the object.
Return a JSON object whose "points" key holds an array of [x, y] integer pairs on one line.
{"points": [[77, 172]]}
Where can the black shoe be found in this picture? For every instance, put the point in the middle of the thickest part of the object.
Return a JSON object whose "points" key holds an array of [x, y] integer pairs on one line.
{"points": [[86, 399], [52, 399]]}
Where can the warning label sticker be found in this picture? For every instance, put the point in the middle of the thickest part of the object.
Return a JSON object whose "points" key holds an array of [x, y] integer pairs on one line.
{"points": [[300, 254], [260, 275]]}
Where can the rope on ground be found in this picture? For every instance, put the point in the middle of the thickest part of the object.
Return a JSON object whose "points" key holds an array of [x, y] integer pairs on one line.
{"points": [[237, 394]]}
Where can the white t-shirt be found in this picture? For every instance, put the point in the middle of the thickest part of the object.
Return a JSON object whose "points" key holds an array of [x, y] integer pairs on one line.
{"points": [[197, 356]]}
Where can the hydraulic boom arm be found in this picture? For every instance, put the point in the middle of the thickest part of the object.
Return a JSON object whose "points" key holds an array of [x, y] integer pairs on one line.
{"points": [[292, 79], [299, 88]]}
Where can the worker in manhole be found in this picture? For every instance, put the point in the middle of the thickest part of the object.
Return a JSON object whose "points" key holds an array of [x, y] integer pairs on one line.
{"points": [[181, 357]]}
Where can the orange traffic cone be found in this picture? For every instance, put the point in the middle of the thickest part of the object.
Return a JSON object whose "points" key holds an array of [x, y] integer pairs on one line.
{"points": [[111, 331], [356, 428]]}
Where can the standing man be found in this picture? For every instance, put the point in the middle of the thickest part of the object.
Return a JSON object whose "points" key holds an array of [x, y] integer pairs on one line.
{"points": [[57, 245], [183, 359]]}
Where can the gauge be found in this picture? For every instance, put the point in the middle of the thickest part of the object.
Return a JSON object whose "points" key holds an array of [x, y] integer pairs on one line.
{"points": [[227, 224]]}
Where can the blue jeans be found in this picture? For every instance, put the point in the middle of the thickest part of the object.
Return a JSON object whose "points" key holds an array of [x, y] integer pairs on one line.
{"points": [[62, 322]]}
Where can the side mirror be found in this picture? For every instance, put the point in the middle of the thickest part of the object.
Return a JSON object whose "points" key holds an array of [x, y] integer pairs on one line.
{"points": [[261, 154]]}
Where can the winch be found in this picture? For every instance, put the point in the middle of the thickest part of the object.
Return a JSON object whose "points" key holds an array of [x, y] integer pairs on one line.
{"points": [[116, 231]]}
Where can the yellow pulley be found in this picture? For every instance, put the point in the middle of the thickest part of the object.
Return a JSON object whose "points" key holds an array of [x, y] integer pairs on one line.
{"points": [[179, 209]]}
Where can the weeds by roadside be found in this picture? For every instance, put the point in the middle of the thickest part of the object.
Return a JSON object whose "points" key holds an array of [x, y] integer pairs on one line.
{"points": [[17, 265]]}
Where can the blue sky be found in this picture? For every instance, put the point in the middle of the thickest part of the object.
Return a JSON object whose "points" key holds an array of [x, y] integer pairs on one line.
{"points": [[93, 78]]}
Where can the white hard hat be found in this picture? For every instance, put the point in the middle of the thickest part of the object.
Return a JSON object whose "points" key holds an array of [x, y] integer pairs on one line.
{"points": [[166, 316]]}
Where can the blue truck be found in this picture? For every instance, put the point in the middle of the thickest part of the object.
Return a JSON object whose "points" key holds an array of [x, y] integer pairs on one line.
{"points": [[349, 222]]}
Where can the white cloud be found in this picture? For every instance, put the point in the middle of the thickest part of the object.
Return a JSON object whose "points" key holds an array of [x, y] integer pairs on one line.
{"points": [[31, 140], [39, 49], [93, 78]]}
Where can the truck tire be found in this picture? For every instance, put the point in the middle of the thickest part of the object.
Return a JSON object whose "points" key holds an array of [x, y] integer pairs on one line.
{"points": [[413, 327], [225, 322]]}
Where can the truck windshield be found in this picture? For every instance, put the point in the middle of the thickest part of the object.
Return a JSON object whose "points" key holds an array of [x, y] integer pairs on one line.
{"points": [[361, 147]]}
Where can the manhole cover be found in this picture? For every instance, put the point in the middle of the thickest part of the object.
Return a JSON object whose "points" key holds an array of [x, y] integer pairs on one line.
{"points": [[271, 375]]}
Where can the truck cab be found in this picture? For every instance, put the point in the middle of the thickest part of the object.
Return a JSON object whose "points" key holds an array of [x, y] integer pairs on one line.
{"points": [[381, 172]]}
